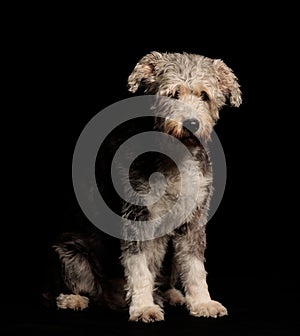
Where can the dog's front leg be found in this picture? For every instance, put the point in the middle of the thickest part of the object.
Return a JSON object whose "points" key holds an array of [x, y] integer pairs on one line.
{"points": [[189, 254], [140, 278]]}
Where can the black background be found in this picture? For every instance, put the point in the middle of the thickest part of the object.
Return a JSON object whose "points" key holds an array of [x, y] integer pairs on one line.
{"points": [[66, 65]]}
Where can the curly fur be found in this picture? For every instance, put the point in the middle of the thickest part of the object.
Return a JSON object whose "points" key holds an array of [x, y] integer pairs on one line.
{"points": [[169, 268]]}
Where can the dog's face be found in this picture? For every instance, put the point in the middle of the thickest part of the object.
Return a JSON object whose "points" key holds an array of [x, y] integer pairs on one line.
{"points": [[199, 86]]}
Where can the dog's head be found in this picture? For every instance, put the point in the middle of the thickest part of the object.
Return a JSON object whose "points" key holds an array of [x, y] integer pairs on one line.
{"points": [[199, 86]]}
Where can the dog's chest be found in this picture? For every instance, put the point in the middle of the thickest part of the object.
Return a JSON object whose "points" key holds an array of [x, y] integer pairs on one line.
{"points": [[185, 187]]}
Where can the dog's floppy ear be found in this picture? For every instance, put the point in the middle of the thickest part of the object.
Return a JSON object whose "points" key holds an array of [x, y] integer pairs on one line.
{"points": [[228, 82], [144, 71]]}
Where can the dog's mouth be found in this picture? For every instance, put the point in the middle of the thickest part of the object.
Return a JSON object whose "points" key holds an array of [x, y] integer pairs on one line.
{"points": [[186, 133], [190, 141], [188, 137]]}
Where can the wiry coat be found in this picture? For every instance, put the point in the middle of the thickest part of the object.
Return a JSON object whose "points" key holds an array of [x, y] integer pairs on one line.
{"points": [[169, 268]]}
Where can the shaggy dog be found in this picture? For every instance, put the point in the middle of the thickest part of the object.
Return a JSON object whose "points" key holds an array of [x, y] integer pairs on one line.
{"points": [[143, 274]]}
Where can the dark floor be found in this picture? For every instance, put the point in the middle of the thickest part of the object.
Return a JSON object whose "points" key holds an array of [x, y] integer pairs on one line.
{"points": [[270, 310]]}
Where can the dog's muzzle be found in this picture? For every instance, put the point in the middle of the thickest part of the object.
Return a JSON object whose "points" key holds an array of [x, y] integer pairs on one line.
{"points": [[192, 125]]}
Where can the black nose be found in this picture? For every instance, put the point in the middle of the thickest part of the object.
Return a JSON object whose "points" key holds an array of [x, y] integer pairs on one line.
{"points": [[191, 124]]}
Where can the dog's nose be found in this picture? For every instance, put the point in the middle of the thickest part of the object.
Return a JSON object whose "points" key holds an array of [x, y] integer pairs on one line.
{"points": [[191, 124]]}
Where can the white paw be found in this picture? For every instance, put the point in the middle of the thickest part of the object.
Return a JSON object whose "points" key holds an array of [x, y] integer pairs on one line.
{"points": [[174, 297], [72, 301], [146, 314], [208, 309]]}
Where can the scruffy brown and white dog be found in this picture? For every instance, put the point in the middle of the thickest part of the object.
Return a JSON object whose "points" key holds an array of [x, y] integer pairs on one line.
{"points": [[169, 268]]}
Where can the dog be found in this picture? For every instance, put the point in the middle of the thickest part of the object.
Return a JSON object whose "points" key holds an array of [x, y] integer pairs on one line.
{"points": [[142, 275]]}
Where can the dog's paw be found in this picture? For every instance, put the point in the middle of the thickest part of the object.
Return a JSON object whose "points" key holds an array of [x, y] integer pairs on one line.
{"points": [[72, 301], [174, 297], [147, 314], [208, 309]]}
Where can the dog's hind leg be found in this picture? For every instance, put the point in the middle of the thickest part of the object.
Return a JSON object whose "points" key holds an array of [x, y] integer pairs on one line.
{"points": [[78, 275], [72, 301], [172, 295]]}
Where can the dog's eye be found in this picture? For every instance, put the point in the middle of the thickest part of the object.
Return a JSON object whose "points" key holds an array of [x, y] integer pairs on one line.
{"points": [[174, 94], [204, 96]]}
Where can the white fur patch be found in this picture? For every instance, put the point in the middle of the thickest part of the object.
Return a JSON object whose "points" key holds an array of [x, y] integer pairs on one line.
{"points": [[139, 280], [195, 282], [198, 298], [140, 284], [183, 193]]}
